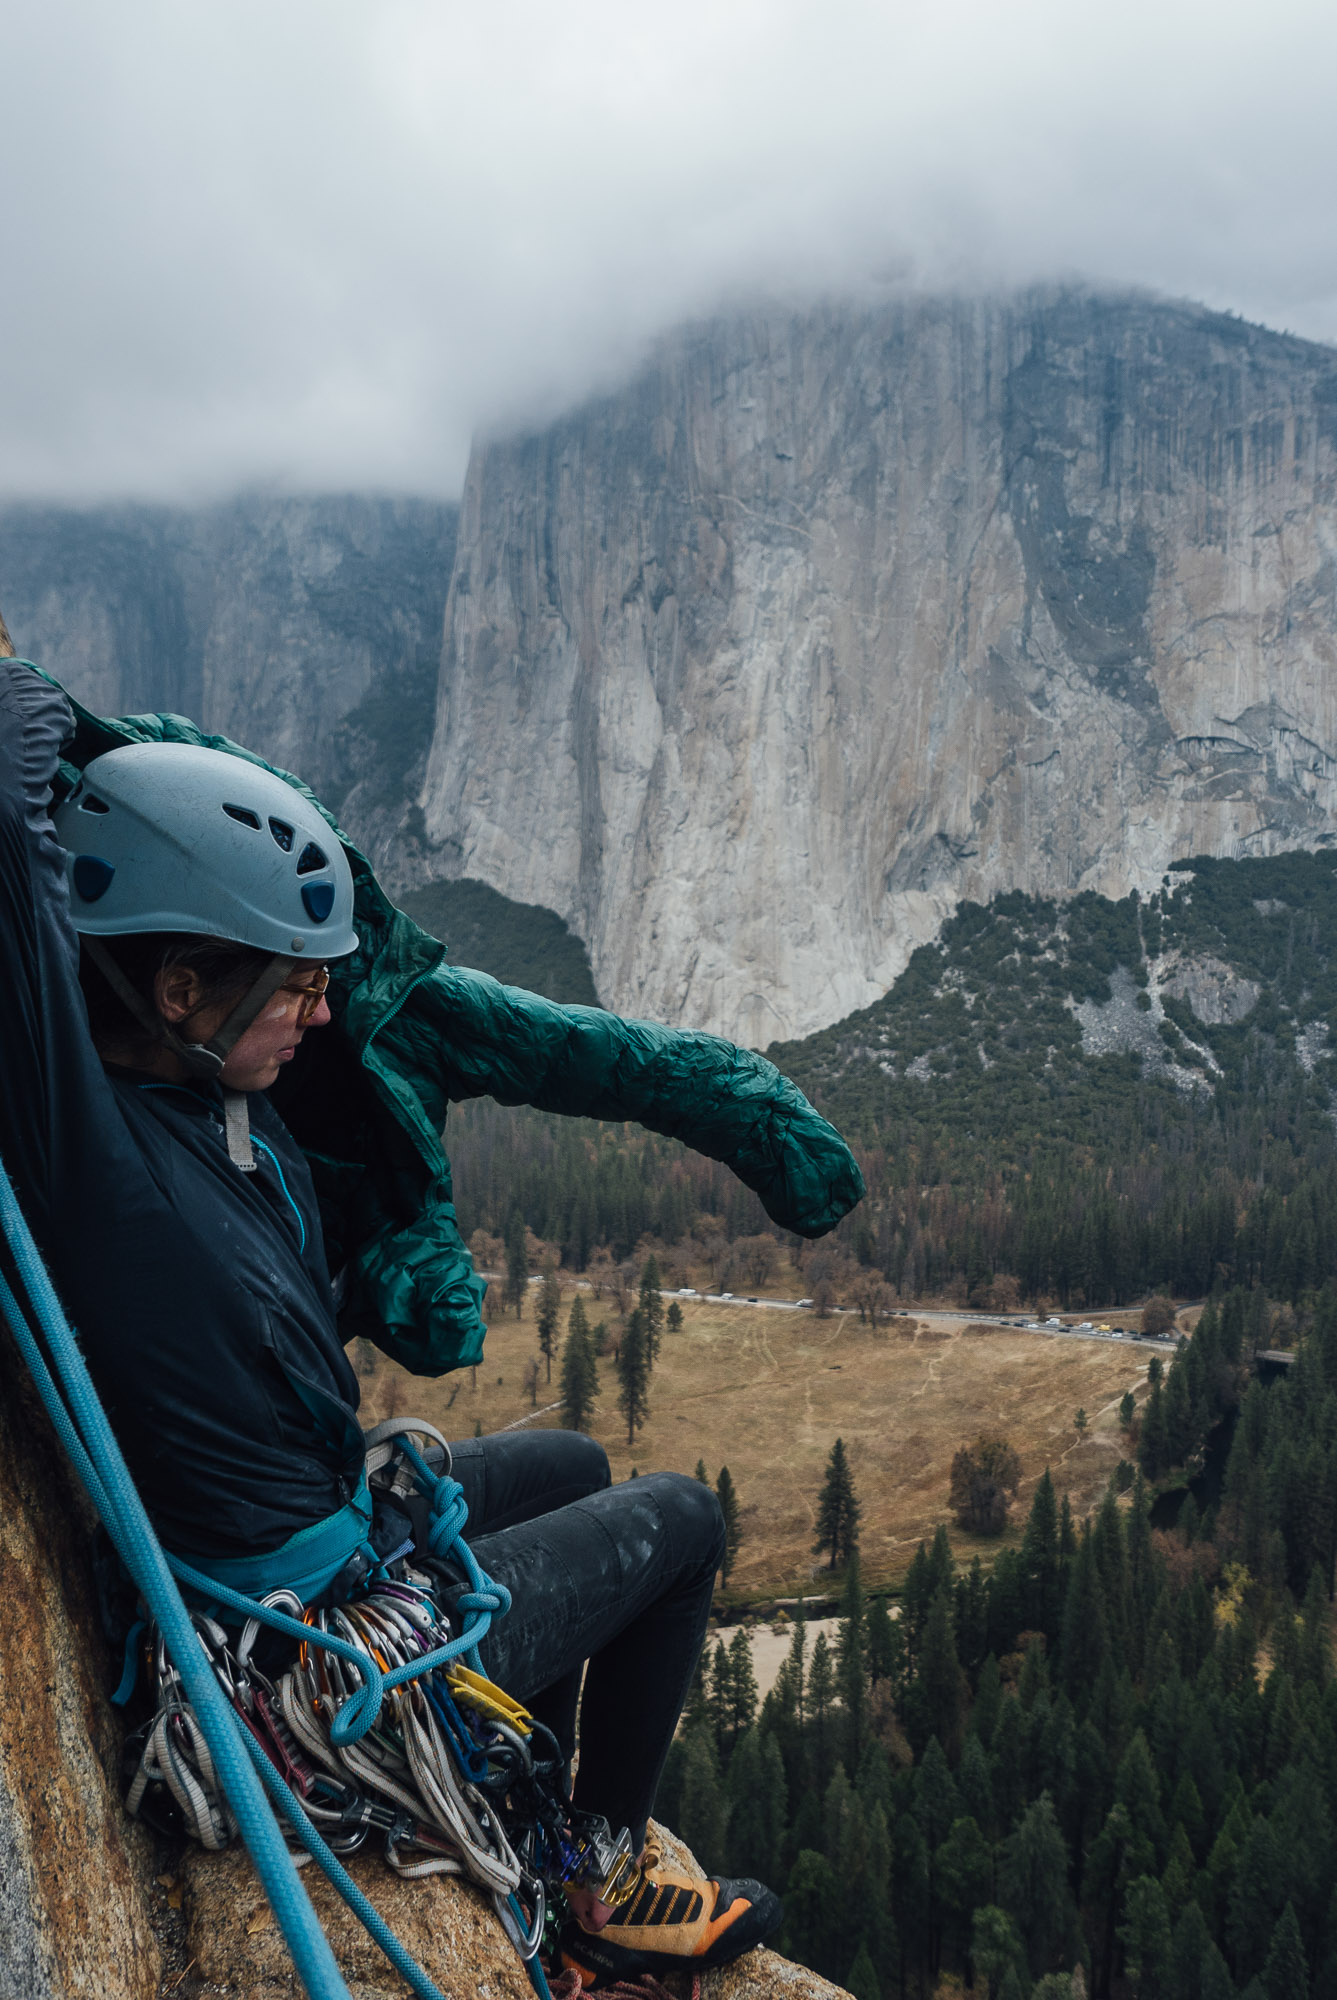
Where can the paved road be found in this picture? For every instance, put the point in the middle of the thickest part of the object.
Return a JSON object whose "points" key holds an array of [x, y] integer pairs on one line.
{"points": [[955, 1314]]}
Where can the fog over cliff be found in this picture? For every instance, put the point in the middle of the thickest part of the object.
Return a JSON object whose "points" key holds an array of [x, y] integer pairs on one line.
{"points": [[830, 619], [756, 666]]}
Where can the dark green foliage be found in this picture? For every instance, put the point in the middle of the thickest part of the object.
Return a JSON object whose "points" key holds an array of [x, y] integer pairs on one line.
{"points": [[652, 1310], [1286, 1974], [1079, 1174], [812, 1914], [1033, 1884], [550, 1306], [703, 1811], [837, 1510], [1132, 1789], [1145, 1936], [861, 1980], [733, 1533], [633, 1374], [757, 1807], [580, 1369]]}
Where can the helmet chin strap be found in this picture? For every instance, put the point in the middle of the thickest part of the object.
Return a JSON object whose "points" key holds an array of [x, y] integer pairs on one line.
{"points": [[203, 1059]]}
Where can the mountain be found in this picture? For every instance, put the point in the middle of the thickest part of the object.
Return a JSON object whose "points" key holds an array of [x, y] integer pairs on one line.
{"points": [[757, 667], [1100, 1096], [309, 629]]}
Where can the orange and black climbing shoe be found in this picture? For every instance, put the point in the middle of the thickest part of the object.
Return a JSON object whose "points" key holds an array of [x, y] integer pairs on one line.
{"points": [[672, 1919]]}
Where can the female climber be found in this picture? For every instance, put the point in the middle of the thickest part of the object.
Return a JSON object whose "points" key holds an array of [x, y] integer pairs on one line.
{"points": [[172, 933]]}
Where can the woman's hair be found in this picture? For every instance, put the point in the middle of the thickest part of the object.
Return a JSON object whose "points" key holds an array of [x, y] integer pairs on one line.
{"points": [[226, 972]]}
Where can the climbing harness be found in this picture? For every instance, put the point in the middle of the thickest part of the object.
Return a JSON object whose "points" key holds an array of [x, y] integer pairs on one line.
{"points": [[452, 1773], [385, 1708]]}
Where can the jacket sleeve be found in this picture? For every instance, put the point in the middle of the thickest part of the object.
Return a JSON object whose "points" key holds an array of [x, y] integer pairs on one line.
{"points": [[473, 1037], [50, 1078]]}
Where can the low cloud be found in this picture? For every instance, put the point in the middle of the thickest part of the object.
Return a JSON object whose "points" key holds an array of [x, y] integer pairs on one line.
{"points": [[321, 244]]}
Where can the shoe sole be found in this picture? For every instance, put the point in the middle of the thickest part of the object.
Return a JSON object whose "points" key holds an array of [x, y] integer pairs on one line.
{"points": [[598, 1962]]}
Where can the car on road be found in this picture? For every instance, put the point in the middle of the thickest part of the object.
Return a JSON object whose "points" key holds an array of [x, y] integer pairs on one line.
{"points": [[805, 1302]]}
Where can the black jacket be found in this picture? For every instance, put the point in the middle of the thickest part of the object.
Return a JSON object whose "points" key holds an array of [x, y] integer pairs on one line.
{"points": [[200, 1293]]}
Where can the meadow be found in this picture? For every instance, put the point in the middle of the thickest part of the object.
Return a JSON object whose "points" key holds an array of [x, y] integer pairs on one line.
{"points": [[766, 1393]]}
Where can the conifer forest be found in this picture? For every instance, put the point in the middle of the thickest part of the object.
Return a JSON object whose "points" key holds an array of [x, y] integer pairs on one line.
{"points": [[1104, 1766], [1034, 1100]]}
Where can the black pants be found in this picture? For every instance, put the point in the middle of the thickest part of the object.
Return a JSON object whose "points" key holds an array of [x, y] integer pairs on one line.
{"points": [[621, 1576]]}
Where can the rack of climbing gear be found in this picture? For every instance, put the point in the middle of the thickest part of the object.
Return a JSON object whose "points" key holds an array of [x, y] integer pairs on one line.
{"points": [[221, 1744], [455, 1776]]}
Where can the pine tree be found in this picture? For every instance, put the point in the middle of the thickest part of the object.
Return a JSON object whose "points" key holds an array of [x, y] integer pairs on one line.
{"points": [[1033, 1881], [963, 1869], [1216, 1982], [812, 1915], [937, 1802], [674, 1317], [934, 1702], [721, 1705], [1253, 1899], [821, 1692], [634, 1375], [851, 1670], [837, 1510], [652, 1310], [1153, 1450], [550, 1306], [755, 1788], [703, 1812], [1145, 1936], [1137, 1789], [1040, 1562], [517, 1264], [861, 1980], [701, 1474], [995, 1948], [743, 1685], [1189, 1946], [1286, 1973], [580, 1371], [1085, 1639], [733, 1534]]}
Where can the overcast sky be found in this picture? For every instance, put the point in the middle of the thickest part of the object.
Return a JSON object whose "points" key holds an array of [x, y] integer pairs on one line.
{"points": [[321, 243]]}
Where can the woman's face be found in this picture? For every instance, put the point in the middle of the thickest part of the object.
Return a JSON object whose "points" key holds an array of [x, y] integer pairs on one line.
{"points": [[272, 1038]]}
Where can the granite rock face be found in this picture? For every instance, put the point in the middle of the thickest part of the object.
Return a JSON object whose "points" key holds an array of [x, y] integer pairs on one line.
{"points": [[828, 620], [76, 1897], [309, 630], [235, 1946]]}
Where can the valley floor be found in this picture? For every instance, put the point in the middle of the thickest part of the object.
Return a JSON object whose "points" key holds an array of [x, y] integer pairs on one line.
{"points": [[767, 1393]]}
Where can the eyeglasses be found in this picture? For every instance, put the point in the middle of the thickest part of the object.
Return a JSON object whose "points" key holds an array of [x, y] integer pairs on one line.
{"points": [[308, 996]]}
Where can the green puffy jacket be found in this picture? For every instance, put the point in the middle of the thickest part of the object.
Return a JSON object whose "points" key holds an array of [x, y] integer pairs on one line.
{"points": [[414, 1034]]}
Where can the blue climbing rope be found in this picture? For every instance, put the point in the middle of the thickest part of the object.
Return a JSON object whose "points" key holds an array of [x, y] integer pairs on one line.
{"points": [[244, 1773]]}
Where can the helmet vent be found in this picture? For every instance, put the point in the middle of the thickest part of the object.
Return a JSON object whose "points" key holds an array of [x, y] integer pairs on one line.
{"points": [[310, 859], [88, 804], [282, 833], [243, 816]]}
